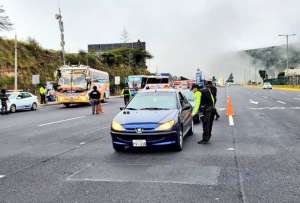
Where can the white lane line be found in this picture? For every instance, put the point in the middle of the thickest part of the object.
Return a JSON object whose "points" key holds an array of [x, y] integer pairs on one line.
{"points": [[231, 123], [297, 98], [61, 121], [281, 102], [230, 149], [253, 102], [2, 176]]}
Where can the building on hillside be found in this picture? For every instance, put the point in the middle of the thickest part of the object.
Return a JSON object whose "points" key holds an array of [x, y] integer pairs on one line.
{"points": [[108, 47]]}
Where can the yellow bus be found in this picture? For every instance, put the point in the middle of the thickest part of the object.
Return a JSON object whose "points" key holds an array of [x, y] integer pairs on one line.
{"points": [[76, 82]]}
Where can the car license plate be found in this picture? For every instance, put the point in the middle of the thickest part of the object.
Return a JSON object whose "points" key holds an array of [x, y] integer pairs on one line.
{"points": [[139, 143]]}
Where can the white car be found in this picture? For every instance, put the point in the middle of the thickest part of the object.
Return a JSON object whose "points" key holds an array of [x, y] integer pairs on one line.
{"points": [[21, 101], [267, 85]]}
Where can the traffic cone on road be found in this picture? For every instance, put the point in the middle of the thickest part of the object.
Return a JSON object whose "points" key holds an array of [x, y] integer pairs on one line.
{"points": [[229, 106], [230, 111]]}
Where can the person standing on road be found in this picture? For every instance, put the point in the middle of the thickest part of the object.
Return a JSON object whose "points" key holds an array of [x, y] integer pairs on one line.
{"points": [[43, 94], [4, 99], [127, 94], [205, 100], [95, 100], [213, 91]]}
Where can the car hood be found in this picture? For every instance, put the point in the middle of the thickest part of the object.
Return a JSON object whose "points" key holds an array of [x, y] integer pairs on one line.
{"points": [[135, 118]]}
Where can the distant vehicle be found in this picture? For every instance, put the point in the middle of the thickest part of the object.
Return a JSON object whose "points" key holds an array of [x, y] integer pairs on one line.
{"points": [[267, 85], [21, 101], [189, 95], [183, 84], [158, 82], [136, 82], [75, 83], [153, 119]]}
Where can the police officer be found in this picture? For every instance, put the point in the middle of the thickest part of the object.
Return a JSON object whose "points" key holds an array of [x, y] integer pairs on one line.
{"points": [[205, 100], [127, 94], [43, 94], [213, 90], [95, 100], [4, 99]]}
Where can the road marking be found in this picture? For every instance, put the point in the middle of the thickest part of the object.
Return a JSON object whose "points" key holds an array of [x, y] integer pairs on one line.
{"points": [[61, 121], [231, 123], [163, 174], [297, 99], [82, 143], [230, 149], [275, 108], [2, 176], [221, 109], [281, 102], [253, 102]]}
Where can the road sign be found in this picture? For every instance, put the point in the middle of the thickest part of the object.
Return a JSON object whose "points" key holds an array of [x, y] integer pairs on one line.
{"points": [[35, 79], [117, 80]]}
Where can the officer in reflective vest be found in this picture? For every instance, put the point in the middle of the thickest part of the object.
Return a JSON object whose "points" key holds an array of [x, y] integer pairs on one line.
{"points": [[127, 94], [205, 100]]}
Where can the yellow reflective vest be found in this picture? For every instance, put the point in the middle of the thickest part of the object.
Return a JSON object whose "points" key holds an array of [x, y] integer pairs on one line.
{"points": [[197, 95], [42, 90]]}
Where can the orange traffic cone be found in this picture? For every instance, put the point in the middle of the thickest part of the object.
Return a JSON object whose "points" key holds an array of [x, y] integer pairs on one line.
{"points": [[230, 111]]}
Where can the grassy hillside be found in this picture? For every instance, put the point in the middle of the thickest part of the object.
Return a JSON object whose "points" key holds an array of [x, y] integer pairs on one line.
{"points": [[33, 59], [273, 59]]}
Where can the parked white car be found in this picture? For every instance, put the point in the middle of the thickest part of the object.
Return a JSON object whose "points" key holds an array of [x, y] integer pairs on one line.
{"points": [[267, 85], [21, 101]]}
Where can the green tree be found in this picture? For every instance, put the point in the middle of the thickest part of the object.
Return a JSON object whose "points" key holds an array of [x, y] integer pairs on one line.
{"points": [[5, 23]]}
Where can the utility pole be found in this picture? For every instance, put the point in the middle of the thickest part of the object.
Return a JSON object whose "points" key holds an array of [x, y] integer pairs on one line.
{"points": [[287, 47], [62, 37], [16, 63]]}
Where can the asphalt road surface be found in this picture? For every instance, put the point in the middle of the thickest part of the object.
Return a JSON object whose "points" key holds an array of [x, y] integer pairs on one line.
{"points": [[61, 154]]}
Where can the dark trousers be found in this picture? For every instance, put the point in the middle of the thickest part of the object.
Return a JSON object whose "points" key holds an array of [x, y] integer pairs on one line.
{"points": [[4, 108], [95, 103], [126, 99], [43, 99], [207, 122]]}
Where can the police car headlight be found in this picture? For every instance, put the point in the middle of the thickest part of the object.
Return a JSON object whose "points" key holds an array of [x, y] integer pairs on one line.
{"points": [[117, 126], [166, 126]]}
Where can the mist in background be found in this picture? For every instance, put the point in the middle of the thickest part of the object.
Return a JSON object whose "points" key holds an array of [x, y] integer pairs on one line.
{"points": [[181, 35]]}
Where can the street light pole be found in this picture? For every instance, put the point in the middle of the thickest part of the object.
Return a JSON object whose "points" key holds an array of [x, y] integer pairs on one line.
{"points": [[62, 37], [287, 47], [16, 63]]}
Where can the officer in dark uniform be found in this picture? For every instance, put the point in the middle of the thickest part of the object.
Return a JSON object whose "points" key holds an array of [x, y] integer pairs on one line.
{"points": [[4, 99], [127, 94], [95, 99], [207, 103], [213, 90]]}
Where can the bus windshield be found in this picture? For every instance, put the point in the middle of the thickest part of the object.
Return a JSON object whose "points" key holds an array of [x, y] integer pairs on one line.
{"points": [[73, 77]]}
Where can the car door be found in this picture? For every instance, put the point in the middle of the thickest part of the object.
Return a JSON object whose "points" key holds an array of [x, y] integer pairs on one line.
{"points": [[19, 101], [27, 99], [185, 113]]}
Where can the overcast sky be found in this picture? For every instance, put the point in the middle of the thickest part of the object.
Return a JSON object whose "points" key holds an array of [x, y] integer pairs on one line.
{"points": [[181, 35]]}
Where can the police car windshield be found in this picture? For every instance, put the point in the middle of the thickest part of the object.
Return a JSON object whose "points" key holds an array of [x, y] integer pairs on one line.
{"points": [[154, 101]]}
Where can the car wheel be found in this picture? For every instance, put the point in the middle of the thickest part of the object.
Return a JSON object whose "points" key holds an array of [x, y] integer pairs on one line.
{"points": [[67, 105], [34, 106], [13, 108], [191, 131], [179, 143]]}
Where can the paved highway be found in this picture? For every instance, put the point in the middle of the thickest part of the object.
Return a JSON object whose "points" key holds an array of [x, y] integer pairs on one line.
{"points": [[65, 155]]}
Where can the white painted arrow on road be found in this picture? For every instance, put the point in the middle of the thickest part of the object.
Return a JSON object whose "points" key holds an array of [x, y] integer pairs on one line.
{"points": [[253, 102]]}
